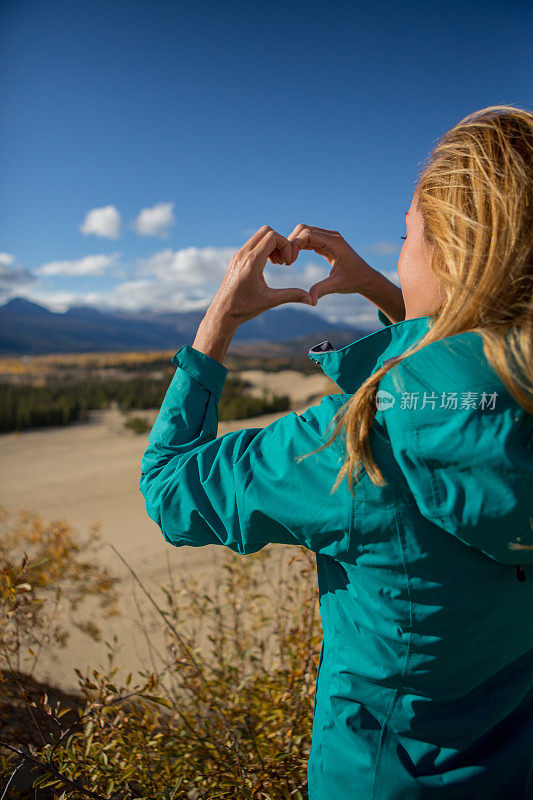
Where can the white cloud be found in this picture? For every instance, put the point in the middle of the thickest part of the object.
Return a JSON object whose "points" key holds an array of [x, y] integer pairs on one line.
{"points": [[188, 279], [90, 265], [155, 221], [104, 222], [191, 266], [352, 309], [6, 259], [11, 278], [382, 248], [169, 291], [58, 300], [146, 294], [182, 280]]}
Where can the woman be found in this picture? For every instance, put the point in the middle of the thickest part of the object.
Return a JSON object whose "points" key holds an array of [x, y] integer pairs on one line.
{"points": [[425, 684]]}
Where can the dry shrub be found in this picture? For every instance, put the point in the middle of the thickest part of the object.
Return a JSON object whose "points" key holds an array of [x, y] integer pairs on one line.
{"points": [[43, 565], [231, 718]]}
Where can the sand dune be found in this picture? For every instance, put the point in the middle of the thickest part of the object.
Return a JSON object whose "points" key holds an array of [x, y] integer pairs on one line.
{"points": [[89, 472]]}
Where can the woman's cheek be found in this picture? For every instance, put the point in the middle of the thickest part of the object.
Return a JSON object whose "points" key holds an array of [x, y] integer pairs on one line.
{"points": [[400, 267]]}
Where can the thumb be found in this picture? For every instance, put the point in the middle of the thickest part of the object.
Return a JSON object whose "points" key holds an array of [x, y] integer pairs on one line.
{"points": [[292, 295], [318, 290]]}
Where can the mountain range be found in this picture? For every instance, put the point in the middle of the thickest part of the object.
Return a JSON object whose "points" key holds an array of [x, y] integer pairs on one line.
{"points": [[27, 328]]}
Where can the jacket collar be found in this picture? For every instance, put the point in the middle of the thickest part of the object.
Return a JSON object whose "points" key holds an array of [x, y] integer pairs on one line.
{"points": [[349, 366]]}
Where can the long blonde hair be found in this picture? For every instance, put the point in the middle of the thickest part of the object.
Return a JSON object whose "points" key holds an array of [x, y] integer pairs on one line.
{"points": [[475, 195]]}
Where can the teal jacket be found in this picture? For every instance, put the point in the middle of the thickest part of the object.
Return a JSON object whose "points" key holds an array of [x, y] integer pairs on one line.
{"points": [[425, 682]]}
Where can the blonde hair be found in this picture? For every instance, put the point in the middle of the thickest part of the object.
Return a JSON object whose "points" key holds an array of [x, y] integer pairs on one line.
{"points": [[475, 195]]}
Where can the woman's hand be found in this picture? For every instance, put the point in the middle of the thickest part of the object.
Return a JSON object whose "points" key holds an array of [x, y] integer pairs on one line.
{"points": [[349, 273], [244, 293]]}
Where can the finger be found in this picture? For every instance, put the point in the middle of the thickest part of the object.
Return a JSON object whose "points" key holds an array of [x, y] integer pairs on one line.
{"points": [[295, 251], [325, 243], [327, 286], [257, 236], [276, 258], [271, 241], [320, 230], [292, 295]]}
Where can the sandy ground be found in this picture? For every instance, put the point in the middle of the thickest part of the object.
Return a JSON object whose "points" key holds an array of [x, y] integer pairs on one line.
{"points": [[89, 472]]}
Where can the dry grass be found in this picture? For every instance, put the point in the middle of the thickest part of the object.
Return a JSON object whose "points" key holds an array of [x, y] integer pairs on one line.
{"points": [[49, 364]]}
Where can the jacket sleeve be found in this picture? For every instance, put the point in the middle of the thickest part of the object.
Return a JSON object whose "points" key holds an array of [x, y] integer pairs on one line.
{"points": [[243, 489], [469, 468]]}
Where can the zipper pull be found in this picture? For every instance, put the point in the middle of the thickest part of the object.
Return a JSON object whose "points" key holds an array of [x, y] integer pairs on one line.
{"points": [[520, 572]]}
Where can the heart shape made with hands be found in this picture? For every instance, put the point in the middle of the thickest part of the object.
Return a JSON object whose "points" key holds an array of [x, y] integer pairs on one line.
{"points": [[347, 268], [244, 293]]}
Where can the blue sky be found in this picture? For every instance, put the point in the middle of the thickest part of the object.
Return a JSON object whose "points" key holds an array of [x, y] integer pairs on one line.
{"points": [[142, 143]]}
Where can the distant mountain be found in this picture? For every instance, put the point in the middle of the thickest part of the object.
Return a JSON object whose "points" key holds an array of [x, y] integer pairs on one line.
{"points": [[299, 345], [82, 311], [27, 328], [19, 306]]}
